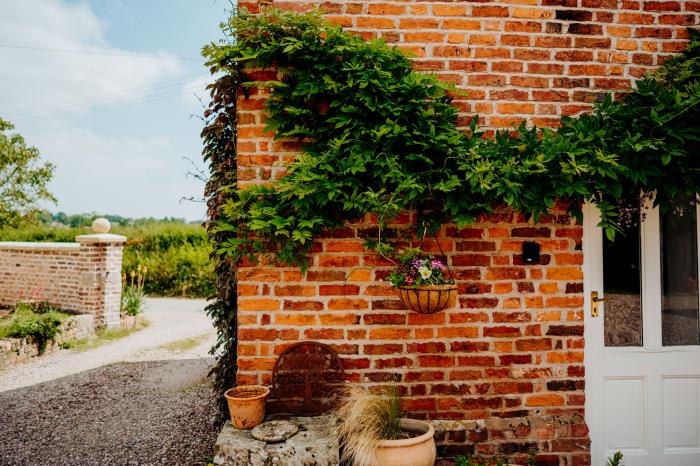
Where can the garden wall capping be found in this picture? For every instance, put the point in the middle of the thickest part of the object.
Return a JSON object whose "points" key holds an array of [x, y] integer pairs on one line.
{"points": [[100, 238], [42, 246]]}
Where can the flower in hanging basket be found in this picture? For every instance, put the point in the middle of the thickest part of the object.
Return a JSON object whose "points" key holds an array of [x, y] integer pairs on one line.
{"points": [[423, 282]]}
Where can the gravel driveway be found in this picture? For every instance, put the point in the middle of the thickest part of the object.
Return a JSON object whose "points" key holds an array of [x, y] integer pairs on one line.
{"points": [[130, 402], [170, 319]]}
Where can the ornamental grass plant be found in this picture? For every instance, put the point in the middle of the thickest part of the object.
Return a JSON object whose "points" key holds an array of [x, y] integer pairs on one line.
{"points": [[366, 417]]}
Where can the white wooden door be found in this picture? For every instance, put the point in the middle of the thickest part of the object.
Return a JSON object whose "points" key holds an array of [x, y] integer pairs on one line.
{"points": [[642, 351]]}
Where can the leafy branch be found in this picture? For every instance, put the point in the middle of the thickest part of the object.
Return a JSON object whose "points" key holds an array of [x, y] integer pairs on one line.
{"points": [[380, 138]]}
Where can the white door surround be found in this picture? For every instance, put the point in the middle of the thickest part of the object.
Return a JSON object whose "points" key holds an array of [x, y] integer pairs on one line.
{"points": [[643, 395]]}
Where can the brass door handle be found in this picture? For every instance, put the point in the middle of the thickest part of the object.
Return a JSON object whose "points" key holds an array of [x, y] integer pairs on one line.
{"points": [[594, 303]]}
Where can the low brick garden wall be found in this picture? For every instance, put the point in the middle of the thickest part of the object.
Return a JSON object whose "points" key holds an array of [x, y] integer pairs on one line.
{"points": [[82, 277], [17, 350]]}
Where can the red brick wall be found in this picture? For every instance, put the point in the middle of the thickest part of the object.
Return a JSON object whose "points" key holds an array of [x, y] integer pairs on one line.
{"points": [[511, 348], [523, 59], [507, 361], [84, 277]]}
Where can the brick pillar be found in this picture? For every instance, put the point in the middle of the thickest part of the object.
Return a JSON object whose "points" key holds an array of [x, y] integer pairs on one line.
{"points": [[100, 276]]}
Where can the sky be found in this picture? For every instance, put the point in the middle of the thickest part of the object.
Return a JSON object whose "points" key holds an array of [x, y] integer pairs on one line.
{"points": [[109, 91]]}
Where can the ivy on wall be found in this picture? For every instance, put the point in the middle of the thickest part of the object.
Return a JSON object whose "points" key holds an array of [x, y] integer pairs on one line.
{"points": [[219, 140], [379, 138]]}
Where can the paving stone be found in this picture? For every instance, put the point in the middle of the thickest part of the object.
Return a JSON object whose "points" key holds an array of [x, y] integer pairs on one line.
{"points": [[274, 431], [313, 445]]}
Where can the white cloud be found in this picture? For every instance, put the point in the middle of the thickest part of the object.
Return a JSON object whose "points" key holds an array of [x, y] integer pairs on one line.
{"points": [[54, 98], [36, 83]]}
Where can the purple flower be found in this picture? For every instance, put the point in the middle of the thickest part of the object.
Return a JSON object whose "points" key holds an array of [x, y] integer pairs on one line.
{"points": [[437, 264]]}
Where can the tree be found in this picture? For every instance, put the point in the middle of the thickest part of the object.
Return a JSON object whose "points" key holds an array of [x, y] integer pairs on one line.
{"points": [[23, 179]]}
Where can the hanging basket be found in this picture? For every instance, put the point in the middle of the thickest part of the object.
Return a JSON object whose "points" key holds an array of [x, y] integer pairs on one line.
{"points": [[428, 299]]}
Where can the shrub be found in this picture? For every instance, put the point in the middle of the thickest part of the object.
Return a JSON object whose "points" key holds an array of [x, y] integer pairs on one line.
{"points": [[183, 270], [40, 321], [176, 254]]}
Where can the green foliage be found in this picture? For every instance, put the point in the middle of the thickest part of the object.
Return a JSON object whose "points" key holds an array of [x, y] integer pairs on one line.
{"points": [[133, 296], [24, 179], [616, 460], [379, 138], [219, 139], [379, 134], [84, 220], [40, 321], [176, 254]]}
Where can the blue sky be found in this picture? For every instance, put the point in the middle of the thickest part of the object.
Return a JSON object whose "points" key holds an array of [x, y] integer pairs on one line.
{"points": [[117, 122]]}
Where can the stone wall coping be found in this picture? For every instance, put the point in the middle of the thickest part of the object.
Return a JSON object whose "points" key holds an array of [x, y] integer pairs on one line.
{"points": [[100, 238], [37, 245]]}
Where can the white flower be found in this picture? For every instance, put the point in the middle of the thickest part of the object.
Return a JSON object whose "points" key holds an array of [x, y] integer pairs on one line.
{"points": [[425, 272]]}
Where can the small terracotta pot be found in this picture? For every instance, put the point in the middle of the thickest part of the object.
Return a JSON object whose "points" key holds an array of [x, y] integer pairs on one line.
{"points": [[246, 405], [415, 451], [427, 299]]}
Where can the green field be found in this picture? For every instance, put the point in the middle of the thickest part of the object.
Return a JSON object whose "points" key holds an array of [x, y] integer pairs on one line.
{"points": [[176, 254]]}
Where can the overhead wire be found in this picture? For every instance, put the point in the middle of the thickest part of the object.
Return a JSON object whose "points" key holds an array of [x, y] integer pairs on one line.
{"points": [[116, 105], [93, 100], [91, 52]]}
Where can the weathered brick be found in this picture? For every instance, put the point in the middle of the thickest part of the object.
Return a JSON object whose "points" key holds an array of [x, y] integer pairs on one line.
{"points": [[338, 290], [515, 336]]}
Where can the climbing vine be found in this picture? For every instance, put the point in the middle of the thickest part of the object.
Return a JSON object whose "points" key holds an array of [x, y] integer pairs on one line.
{"points": [[219, 140], [379, 138]]}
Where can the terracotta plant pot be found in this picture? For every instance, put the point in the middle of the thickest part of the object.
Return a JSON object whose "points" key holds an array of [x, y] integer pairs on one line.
{"points": [[427, 299], [415, 451], [246, 405]]}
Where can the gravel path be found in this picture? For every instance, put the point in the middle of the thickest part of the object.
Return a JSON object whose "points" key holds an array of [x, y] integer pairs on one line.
{"points": [[170, 319], [129, 402]]}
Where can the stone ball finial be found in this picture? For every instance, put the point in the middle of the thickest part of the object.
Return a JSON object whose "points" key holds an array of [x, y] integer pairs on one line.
{"points": [[101, 225]]}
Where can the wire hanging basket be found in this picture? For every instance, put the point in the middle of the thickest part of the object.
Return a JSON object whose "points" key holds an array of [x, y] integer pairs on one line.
{"points": [[428, 299]]}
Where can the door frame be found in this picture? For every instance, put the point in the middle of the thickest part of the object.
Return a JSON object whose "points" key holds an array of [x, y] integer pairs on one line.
{"points": [[592, 260], [651, 299]]}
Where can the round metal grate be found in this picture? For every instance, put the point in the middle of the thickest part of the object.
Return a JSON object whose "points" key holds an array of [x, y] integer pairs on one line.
{"points": [[305, 376]]}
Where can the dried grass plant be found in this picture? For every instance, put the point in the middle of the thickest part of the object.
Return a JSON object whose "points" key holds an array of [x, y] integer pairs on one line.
{"points": [[365, 417]]}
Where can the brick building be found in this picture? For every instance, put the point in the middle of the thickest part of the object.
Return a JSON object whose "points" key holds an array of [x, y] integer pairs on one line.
{"points": [[509, 363]]}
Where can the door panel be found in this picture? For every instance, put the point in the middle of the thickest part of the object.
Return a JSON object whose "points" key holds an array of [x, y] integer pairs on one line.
{"points": [[642, 359], [625, 413], [681, 404]]}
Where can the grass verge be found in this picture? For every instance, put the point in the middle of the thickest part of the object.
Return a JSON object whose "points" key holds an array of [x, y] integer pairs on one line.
{"points": [[104, 336], [180, 346]]}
